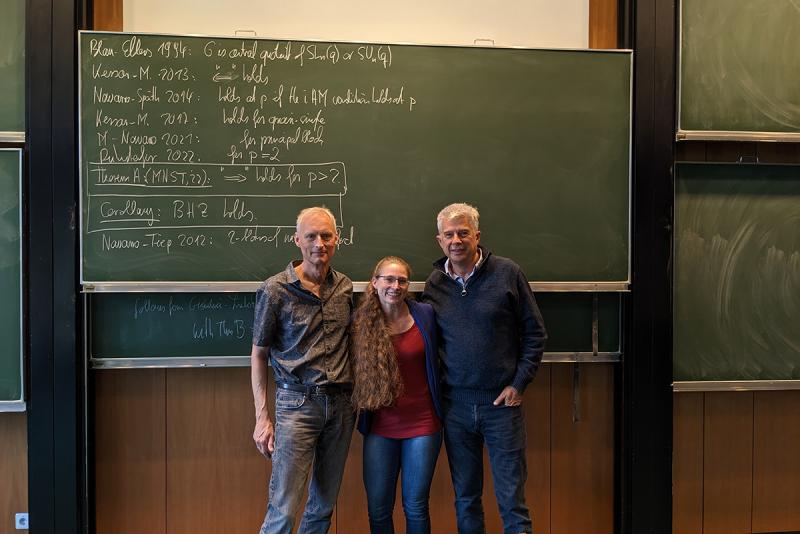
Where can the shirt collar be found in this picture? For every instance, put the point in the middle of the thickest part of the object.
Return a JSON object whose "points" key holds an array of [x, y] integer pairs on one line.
{"points": [[449, 270], [295, 280]]}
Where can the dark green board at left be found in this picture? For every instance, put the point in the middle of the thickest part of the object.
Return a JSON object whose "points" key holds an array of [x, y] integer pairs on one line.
{"points": [[10, 282], [12, 66], [201, 325]]}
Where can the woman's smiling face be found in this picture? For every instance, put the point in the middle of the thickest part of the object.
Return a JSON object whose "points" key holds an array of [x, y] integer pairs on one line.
{"points": [[391, 284]]}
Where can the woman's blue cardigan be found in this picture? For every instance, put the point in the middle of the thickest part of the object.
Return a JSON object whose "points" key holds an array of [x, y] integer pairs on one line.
{"points": [[424, 319]]}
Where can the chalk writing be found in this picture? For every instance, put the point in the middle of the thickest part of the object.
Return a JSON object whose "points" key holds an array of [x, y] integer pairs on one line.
{"points": [[213, 144]]}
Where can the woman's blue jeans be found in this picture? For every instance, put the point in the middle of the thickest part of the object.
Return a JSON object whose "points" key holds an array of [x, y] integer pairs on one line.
{"points": [[384, 459]]}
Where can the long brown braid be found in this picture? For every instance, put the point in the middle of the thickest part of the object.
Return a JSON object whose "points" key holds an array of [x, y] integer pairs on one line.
{"points": [[377, 376]]}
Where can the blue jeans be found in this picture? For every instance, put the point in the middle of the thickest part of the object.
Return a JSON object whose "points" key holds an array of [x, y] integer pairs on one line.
{"points": [[502, 428], [309, 430], [384, 458]]}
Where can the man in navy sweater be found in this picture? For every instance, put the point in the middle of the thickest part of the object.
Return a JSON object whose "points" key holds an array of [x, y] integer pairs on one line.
{"points": [[491, 342]]}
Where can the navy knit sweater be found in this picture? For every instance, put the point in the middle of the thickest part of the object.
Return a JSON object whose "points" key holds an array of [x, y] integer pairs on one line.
{"points": [[491, 333]]}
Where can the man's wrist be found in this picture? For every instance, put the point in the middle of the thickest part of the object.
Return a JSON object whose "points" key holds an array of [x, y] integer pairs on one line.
{"points": [[263, 417], [518, 385]]}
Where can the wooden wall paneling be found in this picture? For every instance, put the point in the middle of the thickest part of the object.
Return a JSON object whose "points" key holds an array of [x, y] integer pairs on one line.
{"points": [[603, 23], [14, 467], [776, 462], [687, 463], [778, 152], [107, 15], [538, 414], [582, 453], [728, 462], [216, 479], [129, 451], [690, 151], [731, 151]]}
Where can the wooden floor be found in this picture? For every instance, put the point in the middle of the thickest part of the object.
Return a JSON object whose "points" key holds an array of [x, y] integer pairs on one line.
{"points": [[174, 454]]}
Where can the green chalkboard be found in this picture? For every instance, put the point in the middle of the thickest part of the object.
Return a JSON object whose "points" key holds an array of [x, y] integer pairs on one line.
{"points": [[12, 67], [197, 153], [175, 325], [11, 391], [739, 65], [737, 273], [203, 325]]}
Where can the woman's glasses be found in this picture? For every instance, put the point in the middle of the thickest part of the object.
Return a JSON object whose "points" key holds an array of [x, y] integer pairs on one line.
{"points": [[401, 281]]}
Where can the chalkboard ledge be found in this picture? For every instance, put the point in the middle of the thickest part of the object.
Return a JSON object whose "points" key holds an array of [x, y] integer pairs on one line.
{"points": [[244, 361], [735, 385], [12, 406], [12, 137], [721, 135], [170, 362], [250, 287]]}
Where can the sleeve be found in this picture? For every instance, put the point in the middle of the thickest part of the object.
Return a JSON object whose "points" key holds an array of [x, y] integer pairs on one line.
{"points": [[265, 319], [532, 334]]}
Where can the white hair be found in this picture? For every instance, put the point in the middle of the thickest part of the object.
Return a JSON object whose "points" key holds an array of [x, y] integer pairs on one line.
{"points": [[315, 210], [457, 211]]}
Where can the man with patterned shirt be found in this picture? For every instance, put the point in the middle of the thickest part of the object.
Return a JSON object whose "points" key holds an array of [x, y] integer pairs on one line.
{"points": [[301, 322]]}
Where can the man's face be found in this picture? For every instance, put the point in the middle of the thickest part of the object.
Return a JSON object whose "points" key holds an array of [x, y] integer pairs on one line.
{"points": [[459, 240], [316, 238]]}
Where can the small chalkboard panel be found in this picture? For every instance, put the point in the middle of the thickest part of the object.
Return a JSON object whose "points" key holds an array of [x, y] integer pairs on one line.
{"points": [[198, 152], [12, 70], [11, 382], [157, 326], [737, 273], [171, 325], [738, 69]]}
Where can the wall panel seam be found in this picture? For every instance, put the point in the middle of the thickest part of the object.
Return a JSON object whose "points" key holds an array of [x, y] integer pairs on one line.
{"points": [[752, 455], [163, 373], [703, 465]]}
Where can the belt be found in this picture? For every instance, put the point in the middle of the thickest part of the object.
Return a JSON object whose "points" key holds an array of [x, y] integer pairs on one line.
{"points": [[329, 389]]}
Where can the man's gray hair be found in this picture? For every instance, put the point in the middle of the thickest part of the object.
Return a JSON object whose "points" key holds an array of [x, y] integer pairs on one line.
{"points": [[457, 211], [315, 210]]}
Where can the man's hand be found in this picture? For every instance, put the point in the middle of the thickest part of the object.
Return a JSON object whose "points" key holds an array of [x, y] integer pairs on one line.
{"points": [[509, 396], [264, 436]]}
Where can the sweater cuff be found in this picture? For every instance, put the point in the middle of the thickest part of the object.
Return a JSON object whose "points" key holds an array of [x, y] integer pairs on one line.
{"points": [[521, 383]]}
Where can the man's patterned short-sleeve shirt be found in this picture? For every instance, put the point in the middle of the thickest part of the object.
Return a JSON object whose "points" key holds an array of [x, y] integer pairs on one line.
{"points": [[307, 336]]}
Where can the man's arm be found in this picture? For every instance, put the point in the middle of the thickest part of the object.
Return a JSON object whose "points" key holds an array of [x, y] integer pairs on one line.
{"points": [[532, 335], [264, 432]]}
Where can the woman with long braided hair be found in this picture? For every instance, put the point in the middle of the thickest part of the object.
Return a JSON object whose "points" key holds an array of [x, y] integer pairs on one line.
{"points": [[394, 354]]}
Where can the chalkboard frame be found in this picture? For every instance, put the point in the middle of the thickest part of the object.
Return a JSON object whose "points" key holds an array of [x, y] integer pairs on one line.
{"points": [[14, 135], [688, 385], [18, 405], [358, 286], [716, 135], [156, 361]]}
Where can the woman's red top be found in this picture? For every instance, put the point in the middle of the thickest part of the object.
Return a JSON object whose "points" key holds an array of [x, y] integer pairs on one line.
{"points": [[413, 414]]}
